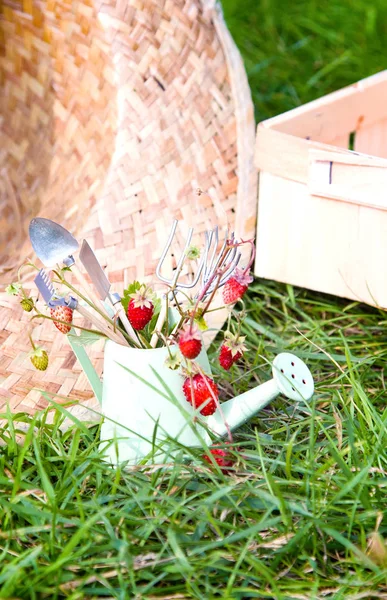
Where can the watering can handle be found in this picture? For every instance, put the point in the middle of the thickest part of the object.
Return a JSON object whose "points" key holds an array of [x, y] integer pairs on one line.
{"points": [[348, 177], [86, 365]]}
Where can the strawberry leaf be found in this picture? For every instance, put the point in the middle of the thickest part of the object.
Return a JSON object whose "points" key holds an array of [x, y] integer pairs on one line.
{"points": [[131, 289], [157, 307], [144, 341], [85, 338], [201, 323], [13, 289], [173, 362]]}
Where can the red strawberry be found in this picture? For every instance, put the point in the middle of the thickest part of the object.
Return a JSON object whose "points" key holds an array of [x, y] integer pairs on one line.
{"points": [[226, 359], [62, 313], [198, 389], [140, 309], [231, 350], [236, 286], [222, 457], [190, 342]]}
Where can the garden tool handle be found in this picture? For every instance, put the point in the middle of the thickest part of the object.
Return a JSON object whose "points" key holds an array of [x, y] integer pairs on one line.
{"points": [[120, 312], [87, 288], [102, 327], [159, 324]]}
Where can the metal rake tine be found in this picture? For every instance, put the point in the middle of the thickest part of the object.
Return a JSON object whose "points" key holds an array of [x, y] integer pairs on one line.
{"points": [[225, 276], [215, 233], [213, 266], [165, 252], [47, 280], [173, 280], [230, 254], [207, 246], [230, 270], [193, 283], [183, 256]]}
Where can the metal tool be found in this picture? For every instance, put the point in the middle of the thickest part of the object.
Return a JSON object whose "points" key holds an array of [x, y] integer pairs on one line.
{"points": [[211, 260], [229, 262], [291, 377], [53, 244], [102, 285], [173, 281], [46, 288]]}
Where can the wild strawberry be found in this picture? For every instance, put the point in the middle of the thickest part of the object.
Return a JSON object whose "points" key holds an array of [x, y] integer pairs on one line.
{"points": [[231, 350], [62, 313], [198, 389], [27, 304], [222, 457], [39, 358], [236, 286], [140, 309], [190, 342]]}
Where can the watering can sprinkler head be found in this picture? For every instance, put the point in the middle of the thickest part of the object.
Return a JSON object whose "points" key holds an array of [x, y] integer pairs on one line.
{"points": [[291, 377]]}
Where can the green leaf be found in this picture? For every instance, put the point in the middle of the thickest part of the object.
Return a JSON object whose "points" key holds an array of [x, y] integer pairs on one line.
{"points": [[13, 289], [193, 252], [173, 362], [157, 307], [201, 323], [144, 341], [85, 338], [131, 289]]}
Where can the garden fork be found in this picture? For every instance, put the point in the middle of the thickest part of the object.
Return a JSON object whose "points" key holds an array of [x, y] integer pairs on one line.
{"points": [[173, 281], [209, 263], [227, 262]]}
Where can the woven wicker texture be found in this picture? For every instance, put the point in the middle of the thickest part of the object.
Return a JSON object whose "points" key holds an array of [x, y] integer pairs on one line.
{"points": [[112, 114]]}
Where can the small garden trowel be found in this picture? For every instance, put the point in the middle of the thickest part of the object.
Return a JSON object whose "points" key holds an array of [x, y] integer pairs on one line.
{"points": [[102, 285], [53, 244]]}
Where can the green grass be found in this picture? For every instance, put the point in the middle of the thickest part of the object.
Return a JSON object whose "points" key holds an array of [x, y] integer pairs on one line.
{"points": [[295, 518], [297, 51]]}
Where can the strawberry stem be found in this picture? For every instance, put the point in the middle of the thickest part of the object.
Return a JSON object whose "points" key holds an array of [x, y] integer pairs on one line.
{"points": [[167, 319], [32, 342], [42, 316], [252, 255], [215, 399], [100, 312]]}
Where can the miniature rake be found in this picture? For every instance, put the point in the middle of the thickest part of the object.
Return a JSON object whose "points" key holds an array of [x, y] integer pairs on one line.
{"points": [[212, 262]]}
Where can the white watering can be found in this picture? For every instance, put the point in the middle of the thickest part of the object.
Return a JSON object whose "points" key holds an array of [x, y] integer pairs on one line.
{"points": [[146, 406], [142, 399]]}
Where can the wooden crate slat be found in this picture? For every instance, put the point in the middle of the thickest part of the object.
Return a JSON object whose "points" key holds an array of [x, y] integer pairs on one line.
{"points": [[322, 209], [356, 106], [373, 139]]}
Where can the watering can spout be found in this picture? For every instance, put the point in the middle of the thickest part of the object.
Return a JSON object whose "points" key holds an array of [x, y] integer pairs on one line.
{"points": [[291, 377]]}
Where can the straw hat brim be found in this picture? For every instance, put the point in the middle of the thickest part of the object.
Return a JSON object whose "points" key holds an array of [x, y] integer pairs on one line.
{"points": [[113, 115]]}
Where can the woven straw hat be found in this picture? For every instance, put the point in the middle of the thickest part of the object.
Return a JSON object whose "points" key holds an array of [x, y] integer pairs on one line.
{"points": [[113, 113]]}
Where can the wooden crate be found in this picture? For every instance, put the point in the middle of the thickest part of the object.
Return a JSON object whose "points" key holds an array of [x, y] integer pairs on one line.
{"points": [[322, 208]]}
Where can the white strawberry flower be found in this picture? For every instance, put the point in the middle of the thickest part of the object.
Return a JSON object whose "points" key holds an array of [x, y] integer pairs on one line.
{"points": [[235, 343], [241, 277], [189, 333], [143, 298]]}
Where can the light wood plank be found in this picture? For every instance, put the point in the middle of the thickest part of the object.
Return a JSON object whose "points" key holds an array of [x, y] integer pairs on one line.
{"points": [[373, 139], [337, 114], [318, 243]]}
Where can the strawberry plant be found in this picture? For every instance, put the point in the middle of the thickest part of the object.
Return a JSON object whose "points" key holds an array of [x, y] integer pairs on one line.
{"points": [[174, 319]]}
